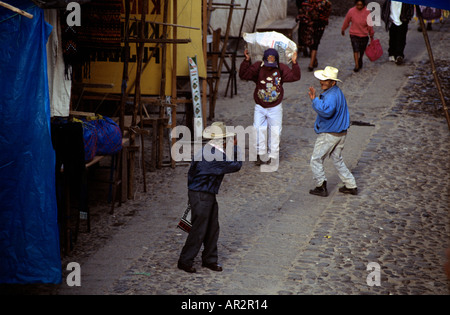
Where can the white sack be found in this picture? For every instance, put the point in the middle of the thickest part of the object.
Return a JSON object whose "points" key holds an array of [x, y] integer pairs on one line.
{"points": [[257, 43]]}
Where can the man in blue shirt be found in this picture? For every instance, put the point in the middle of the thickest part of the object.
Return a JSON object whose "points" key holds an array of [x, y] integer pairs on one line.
{"points": [[331, 124], [204, 179]]}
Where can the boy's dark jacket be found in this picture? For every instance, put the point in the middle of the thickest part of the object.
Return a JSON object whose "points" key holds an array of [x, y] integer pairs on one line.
{"points": [[405, 16], [209, 167]]}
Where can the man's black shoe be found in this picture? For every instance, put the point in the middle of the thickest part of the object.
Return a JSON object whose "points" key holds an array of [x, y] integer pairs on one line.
{"points": [[320, 191], [351, 191], [186, 268], [213, 266], [258, 161]]}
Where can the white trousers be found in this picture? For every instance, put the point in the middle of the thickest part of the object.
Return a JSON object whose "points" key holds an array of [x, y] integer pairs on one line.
{"points": [[328, 145], [268, 125]]}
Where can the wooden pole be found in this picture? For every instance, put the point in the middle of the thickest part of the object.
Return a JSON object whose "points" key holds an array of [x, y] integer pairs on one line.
{"points": [[256, 17], [222, 56], [232, 81], [209, 13], [174, 76], [205, 58], [137, 105], [433, 66], [162, 92], [242, 26], [175, 24], [138, 102], [14, 9], [124, 95]]}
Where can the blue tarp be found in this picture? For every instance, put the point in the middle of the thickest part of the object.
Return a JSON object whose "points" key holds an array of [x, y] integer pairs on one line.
{"points": [[29, 238], [439, 4]]}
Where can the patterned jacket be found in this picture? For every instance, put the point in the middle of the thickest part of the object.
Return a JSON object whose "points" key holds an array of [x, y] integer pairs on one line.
{"points": [[313, 11], [269, 91]]}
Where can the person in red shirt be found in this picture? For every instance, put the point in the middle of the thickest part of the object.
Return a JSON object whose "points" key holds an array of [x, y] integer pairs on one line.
{"points": [[360, 31]]}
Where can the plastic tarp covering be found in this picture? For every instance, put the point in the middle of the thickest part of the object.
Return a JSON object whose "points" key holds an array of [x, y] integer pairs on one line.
{"points": [[29, 237], [269, 11], [439, 4]]}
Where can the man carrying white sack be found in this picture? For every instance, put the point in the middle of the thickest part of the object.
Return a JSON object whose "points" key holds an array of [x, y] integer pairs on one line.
{"points": [[269, 76], [333, 120]]}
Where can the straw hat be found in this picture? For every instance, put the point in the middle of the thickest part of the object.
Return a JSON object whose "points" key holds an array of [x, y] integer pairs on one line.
{"points": [[217, 130], [329, 73]]}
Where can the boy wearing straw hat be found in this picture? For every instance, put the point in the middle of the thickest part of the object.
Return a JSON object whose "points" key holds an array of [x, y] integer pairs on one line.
{"points": [[205, 175], [331, 125]]}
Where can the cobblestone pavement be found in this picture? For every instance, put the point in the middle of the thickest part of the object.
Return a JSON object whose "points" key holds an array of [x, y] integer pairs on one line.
{"points": [[278, 239]]}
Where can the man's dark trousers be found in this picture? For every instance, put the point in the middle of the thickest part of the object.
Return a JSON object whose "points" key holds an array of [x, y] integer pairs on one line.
{"points": [[205, 229], [397, 39]]}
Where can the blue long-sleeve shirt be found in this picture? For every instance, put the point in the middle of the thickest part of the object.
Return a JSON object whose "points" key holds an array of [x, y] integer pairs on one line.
{"points": [[332, 111], [209, 167]]}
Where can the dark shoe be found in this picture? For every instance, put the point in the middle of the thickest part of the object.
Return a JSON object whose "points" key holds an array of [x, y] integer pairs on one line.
{"points": [[356, 69], [186, 268], [258, 161], [213, 266], [399, 60], [310, 69], [320, 191], [351, 191]]}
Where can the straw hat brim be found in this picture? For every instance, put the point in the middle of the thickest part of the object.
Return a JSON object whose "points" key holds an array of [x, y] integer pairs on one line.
{"points": [[217, 131], [208, 135], [319, 74]]}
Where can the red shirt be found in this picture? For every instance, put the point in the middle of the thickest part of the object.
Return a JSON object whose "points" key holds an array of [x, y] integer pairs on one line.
{"points": [[358, 20], [269, 81]]}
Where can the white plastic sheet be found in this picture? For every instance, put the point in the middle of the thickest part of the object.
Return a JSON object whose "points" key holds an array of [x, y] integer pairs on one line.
{"points": [[257, 43]]}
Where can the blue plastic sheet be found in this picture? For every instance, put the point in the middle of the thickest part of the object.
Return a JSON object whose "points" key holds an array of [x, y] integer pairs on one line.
{"points": [[29, 238]]}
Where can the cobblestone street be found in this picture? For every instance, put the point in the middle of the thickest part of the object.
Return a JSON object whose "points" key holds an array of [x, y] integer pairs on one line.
{"points": [[276, 238]]}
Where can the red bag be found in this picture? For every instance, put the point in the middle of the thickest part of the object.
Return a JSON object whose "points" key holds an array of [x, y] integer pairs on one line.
{"points": [[374, 50]]}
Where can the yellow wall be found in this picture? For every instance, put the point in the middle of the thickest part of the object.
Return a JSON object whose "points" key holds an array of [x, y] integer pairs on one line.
{"points": [[190, 14], [107, 68]]}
